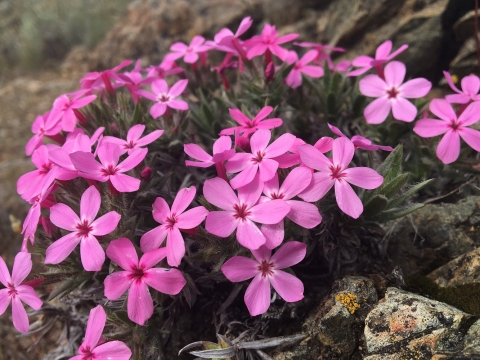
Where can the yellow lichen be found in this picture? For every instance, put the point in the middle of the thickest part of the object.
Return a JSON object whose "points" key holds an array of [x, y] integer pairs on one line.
{"points": [[455, 79], [349, 300]]}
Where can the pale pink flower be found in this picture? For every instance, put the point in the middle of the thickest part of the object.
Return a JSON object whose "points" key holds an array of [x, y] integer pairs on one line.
{"points": [[16, 292], [360, 142], [454, 128], [64, 108], [137, 275], [323, 52], [265, 270], [84, 231], [335, 173], [470, 86], [94, 347], [268, 43], [240, 212], [165, 68], [109, 169], [392, 94], [163, 96], [44, 125], [294, 77], [222, 150], [134, 140], [172, 221], [96, 81], [188, 52], [260, 159], [249, 126], [133, 81], [301, 213], [382, 55]]}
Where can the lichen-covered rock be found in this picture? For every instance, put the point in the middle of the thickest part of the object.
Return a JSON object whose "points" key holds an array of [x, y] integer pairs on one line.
{"points": [[461, 271], [472, 341]]}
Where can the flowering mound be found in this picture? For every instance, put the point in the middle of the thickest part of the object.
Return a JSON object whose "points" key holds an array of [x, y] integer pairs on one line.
{"points": [[160, 191]]}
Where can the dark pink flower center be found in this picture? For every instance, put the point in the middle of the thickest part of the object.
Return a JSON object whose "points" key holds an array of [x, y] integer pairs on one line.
{"points": [[87, 353], [250, 125], [266, 268], [337, 172], [130, 145], [109, 170], [164, 98], [171, 221], [454, 124], [12, 292], [83, 228], [258, 157], [241, 211], [392, 93], [45, 168], [277, 196], [137, 274]]}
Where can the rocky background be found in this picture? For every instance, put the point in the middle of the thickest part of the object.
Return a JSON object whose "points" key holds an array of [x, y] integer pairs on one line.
{"points": [[427, 305]]}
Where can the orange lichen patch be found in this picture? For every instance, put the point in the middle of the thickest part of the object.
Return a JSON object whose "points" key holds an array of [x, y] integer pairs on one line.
{"points": [[402, 322], [349, 300]]}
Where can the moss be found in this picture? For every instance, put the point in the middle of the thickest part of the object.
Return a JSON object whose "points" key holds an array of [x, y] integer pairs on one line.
{"points": [[463, 297], [349, 300]]}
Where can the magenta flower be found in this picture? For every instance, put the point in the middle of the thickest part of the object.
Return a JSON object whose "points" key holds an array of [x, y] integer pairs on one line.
{"points": [[360, 142], [93, 81], [268, 42], [225, 40], [470, 86], [301, 213], [64, 108], [294, 78], [44, 125], [172, 221], [94, 347], [265, 270], [188, 52], [133, 81], [335, 173], [323, 52], [165, 68], [392, 94], [222, 150], [109, 169], [15, 291], [165, 97], [84, 230], [241, 212], [454, 128], [134, 140], [260, 160], [137, 275], [249, 126], [382, 55]]}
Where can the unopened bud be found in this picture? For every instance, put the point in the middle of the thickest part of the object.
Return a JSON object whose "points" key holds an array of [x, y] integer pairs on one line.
{"points": [[146, 173]]}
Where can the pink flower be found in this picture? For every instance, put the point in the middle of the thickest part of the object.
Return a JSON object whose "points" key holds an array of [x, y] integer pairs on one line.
{"points": [[98, 80], [225, 40], [360, 142], [137, 275], [265, 270], [454, 128], [241, 212], [382, 55], [268, 41], [94, 347], [222, 150], [15, 292], [470, 87], [109, 169], [323, 52], [133, 81], [134, 141], [301, 213], [188, 52], [260, 160], [165, 97], [64, 108], [172, 221], [335, 172], [165, 68], [249, 126], [84, 230], [294, 78], [44, 125], [391, 94]]}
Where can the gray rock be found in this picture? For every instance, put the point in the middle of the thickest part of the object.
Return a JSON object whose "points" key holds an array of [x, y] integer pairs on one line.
{"points": [[461, 271], [472, 340]]}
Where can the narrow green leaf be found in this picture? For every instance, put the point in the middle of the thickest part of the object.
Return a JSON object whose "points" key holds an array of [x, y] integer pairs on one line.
{"points": [[409, 193], [375, 206], [331, 104], [390, 168], [327, 76], [397, 213], [394, 186]]}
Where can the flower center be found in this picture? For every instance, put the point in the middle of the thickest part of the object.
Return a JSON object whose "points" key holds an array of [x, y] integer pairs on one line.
{"points": [[84, 228], [337, 172], [164, 98], [454, 125], [171, 221], [137, 274], [12, 292], [45, 168], [87, 353], [277, 196], [393, 93], [266, 268], [258, 157], [241, 211], [109, 170]]}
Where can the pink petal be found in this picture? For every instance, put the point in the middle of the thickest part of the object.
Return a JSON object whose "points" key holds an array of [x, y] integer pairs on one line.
{"points": [[309, 57], [122, 252], [449, 79], [109, 154], [19, 315], [92, 254], [270, 212], [373, 86], [238, 162], [196, 152], [112, 350], [362, 61], [152, 258], [160, 86], [304, 214], [178, 88], [183, 199], [240, 268], [125, 183], [29, 296], [342, 152], [249, 235], [153, 239], [257, 296], [178, 104], [321, 184], [428, 127], [196, 41], [64, 217], [415, 88], [263, 113], [175, 247], [448, 148], [377, 111], [287, 286], [269, 123], [239, 117], [271, 186], [33, 144], [135, 132], [148, 139], [325, 144], [313, 158], [83, 101], [256, 50], [395, 73], [470, 84], [86, 163], [279, 146], [161, 211], [250, 193], [167, 281], [191, 218], [363, 177], [260, 140], [398, 51], [220, 223], [89, 204], [443, 110], [158, 110], [116, 284], [96, 323], [105, 224], [147, 94], [244, 26], [222, 144], [312, 71], [245, 177], [470, 115], [4, 300], [383, 50], [21, 267], [135, 158], [4, 273], [289, 254], [60, 249], [274, 234], [190, 58], [470, 136], [295, 182], [267, 169], [403, 110], [140, 303], [347, 200]]}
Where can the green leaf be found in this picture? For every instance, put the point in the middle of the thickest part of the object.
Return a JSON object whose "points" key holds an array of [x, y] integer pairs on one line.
{"points": [[397, 213], [331, 104], [409, 193], [394, 186], [137, 114], [375, 206], [391, 166], [327, 76], [335, 82]]}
